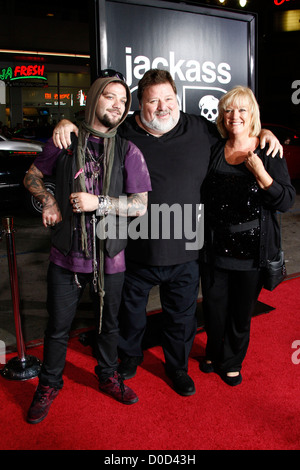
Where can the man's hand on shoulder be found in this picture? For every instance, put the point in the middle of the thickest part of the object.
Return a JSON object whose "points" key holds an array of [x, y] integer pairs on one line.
{"points": [[267, 137], [62, 133]]}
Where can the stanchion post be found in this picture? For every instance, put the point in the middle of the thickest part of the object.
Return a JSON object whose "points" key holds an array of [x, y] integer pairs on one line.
{"points": [[22, 367], [14, 283]]}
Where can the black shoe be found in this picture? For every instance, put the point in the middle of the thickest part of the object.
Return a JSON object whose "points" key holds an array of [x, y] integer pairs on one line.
{"points": [[206, 367], [128, 365], [232, 381], [182, 382]]}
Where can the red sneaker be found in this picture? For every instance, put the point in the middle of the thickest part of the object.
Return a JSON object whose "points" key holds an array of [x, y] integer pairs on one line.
{"points": [[42, 400], [115, 388]]}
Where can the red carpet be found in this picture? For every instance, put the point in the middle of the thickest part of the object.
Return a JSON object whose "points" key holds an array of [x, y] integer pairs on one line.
{"points": [[262, 413]]}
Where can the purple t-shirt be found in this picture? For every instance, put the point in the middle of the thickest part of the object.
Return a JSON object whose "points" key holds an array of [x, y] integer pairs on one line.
{"points": [[136, 180]]}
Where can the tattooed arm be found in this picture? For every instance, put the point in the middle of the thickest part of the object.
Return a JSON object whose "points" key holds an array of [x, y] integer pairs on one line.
{"points": [[133, 205], [33, 181]]}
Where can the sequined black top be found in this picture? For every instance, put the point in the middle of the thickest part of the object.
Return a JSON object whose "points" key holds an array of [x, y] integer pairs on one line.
{"points": [[240, 219], [232, 211]]}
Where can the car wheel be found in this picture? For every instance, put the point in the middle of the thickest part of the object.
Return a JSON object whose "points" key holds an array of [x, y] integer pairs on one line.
{"points": [[33, 205]]}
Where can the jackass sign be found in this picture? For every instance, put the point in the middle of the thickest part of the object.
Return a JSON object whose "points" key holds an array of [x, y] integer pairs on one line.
{"points": [[206, 50]]}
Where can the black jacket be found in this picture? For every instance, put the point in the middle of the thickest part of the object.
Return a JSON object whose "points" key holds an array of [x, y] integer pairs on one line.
{"points": [[280, 196]]}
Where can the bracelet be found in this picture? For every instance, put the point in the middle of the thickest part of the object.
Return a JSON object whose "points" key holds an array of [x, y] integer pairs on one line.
{"points": [[105, 205]]}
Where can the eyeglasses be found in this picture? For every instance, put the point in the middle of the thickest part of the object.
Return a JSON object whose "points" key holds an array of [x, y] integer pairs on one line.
{"points": [[111, 73]]}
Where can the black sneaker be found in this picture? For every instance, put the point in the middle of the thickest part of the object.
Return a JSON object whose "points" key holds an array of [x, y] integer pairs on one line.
{"points": [[128, 365], [183, 384], [42, 400]]}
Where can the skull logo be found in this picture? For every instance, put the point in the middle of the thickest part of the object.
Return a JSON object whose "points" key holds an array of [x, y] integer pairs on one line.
{"points": [[209, 107]]}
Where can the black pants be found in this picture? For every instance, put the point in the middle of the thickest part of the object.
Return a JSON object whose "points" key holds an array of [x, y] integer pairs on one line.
{"points": [[179, 287], [63, 298], [229, 298]]}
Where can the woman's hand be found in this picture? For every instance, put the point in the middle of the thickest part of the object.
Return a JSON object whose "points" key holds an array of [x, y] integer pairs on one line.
{"points": [[256, 166]]}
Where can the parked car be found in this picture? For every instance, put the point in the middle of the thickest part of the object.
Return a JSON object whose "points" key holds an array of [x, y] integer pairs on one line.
{"points": [[290, 140], [39, 133], [16, 156]]}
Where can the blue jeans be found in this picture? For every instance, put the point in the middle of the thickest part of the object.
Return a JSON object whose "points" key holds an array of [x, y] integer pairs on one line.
{"points": [[63, 298], [179, 287]]}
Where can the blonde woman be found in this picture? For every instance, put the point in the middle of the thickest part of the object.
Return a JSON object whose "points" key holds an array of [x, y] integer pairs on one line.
{"points": [[242, 192]]}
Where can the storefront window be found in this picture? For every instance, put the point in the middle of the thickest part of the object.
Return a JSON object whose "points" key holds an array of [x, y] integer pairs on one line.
{"points": [[62, 97], [35, 102]]}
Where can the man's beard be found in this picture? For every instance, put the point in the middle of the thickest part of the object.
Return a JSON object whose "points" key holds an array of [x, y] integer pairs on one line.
{"points": [[108, 122], [158, 125]]}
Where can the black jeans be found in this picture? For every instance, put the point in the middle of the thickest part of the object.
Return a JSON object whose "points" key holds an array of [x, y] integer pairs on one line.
{"points": [[63, 298], [179, 287], [229, 298]]}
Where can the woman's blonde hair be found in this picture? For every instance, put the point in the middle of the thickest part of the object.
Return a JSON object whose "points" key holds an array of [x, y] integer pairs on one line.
{"points": [[233, 96]]}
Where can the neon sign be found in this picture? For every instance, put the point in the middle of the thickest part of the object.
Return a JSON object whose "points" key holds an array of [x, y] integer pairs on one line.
{"points": [[280, 2], [21, 72], [65, 96]]}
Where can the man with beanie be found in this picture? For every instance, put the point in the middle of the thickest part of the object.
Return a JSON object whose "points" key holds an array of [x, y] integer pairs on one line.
{"points": [[99, 174]]}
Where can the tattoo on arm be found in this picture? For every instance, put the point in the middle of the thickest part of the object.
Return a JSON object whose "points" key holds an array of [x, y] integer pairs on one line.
{"points": [[33, 181], [134, 205]]}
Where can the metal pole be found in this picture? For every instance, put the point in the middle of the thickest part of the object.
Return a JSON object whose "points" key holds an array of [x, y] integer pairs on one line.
{"points": [[14, 285], [22, 367]]}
